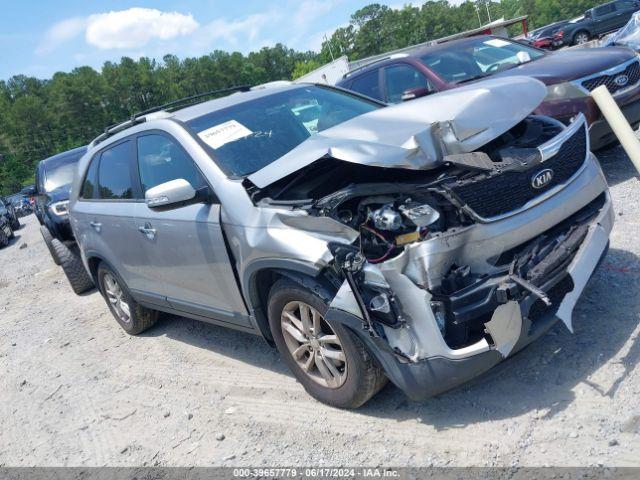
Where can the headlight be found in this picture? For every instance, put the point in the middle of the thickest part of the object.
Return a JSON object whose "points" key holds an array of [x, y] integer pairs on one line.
{"points": [[564, 91], [60, 208]]}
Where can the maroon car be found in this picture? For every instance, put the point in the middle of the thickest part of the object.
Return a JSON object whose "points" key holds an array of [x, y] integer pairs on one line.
{"points": [[569, 75]]}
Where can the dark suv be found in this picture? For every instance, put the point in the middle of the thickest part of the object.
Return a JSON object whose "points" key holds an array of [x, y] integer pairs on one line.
{"points": [[568, 74], [53, 182], [596, 22]]}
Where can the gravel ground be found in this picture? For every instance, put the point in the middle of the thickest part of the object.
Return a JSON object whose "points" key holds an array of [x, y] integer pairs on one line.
{"points": [[76, 390]]}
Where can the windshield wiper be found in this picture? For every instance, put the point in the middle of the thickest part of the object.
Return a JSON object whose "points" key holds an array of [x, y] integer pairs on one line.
{"points": [[478, 77]]}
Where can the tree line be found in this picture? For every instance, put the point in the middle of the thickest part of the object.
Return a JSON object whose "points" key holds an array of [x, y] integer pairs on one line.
{"points": [[41, 117]]}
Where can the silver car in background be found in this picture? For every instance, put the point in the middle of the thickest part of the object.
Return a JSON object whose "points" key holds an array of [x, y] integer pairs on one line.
{"points": [[421, 243]]}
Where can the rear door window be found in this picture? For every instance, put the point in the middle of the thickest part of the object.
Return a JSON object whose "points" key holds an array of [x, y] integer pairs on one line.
{"points": [[368, 84], [115, 173], [604, 10], [161, 159]]}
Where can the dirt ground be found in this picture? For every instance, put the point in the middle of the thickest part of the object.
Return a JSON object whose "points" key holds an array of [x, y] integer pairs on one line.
{"points": [[76, 390]]}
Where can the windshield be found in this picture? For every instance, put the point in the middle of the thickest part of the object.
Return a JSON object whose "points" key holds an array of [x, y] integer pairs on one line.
{"points": [[479, 58], [249, 136], [59, 172]]}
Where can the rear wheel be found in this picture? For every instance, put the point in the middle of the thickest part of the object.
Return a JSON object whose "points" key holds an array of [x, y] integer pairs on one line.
{"points": [[328, 360], [130, 315], [71, 263], [581, 37], [48, 239]]}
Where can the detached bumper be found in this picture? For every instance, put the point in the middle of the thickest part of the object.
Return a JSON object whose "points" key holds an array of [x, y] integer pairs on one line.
{"points": [[513, 325]]}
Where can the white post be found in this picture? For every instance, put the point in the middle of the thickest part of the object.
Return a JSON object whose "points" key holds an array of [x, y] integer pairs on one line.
{"points": [[618, 124]]}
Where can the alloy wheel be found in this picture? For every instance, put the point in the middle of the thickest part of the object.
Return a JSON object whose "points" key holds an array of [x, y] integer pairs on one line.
{"points": [[582, 38], [313, 344], [115, 296]]}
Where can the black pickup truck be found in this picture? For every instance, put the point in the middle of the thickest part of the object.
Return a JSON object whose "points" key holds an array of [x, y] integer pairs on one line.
{"points": [[596, 21]]}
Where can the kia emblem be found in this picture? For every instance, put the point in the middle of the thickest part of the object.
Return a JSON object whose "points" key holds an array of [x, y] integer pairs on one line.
{"points": [[542, 179], [621, 80]]}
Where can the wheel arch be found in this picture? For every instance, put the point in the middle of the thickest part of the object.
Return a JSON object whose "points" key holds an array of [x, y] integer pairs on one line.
{"points": [[260, 276], [93, 261]]}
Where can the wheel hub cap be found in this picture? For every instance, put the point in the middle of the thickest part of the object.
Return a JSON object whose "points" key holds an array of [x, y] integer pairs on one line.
{"points": [[313, 344], [115, 296]]}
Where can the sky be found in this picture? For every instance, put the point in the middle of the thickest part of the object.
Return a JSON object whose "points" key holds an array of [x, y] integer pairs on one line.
{"points": [[39, 38]]}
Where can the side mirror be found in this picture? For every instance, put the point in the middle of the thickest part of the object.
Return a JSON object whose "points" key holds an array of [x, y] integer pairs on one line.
{"points": [[174, 193], [416, 92]]}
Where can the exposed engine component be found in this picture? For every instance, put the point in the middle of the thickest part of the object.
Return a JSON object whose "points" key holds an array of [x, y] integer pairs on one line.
{"points": [[420, 215], [390, 226], [387, 218]]}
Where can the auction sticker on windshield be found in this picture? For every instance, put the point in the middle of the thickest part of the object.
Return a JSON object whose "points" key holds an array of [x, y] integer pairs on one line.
{"points": [[496, 42], [226, 132]]}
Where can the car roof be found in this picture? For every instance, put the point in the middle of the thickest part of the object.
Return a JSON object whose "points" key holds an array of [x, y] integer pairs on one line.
{"points": [[416, 52], [194, 111]]}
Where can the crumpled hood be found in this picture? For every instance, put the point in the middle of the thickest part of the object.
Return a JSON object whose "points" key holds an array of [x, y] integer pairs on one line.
{"points": [[413, 135]]}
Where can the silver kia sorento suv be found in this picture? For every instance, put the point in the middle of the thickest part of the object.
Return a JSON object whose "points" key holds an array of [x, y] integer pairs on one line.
{"points": [[421, 243]]}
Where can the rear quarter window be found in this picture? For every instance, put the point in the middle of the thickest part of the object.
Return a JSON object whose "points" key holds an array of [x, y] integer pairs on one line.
{"points": [[90, 184]]}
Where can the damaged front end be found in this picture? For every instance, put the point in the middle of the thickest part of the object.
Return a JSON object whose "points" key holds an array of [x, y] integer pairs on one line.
{"points": [[449, 270]]}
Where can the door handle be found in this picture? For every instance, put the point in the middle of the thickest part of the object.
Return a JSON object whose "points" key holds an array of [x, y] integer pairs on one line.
{"points": [[97, 226], [148, 231]]}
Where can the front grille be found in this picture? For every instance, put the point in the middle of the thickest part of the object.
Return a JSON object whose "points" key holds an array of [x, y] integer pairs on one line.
{"points": [[556, 294], [632, 73], [502, 192]]}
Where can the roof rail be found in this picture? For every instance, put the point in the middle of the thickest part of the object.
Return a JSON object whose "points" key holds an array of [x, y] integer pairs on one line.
{"points": [[190, 100], [140, 117], [377, 60]]}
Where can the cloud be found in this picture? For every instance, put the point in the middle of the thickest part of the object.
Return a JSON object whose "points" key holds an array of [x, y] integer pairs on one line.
{"points": [[123, 29], [135, 27], [308, 12], [234, 32], [60, 33]]}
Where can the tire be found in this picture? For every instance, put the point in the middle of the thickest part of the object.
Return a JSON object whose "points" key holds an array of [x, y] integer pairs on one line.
{"points": [[359, 377], [15, 224], [71, 263], [581, 37], [139, 318], [48, 239]]}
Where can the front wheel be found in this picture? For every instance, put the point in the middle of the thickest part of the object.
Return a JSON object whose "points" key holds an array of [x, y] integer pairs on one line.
{"points": [[130, 315], [72, 266], [48, 241], [328, 360]]}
